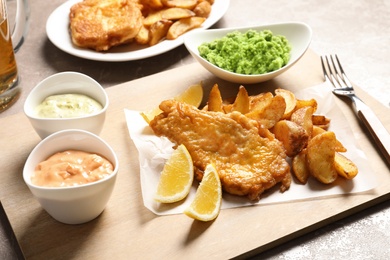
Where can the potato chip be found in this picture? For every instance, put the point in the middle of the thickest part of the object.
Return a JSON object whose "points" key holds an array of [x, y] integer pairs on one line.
{"points": [[339, 146], [269, 113], [321, 157], [290, 100], [303, 117], [345, 167], [188, 4], [307, 103], [158, 30], [184, 25], [202, 9], [293, 137], [299, 167], [241, 103], [214, 102]]}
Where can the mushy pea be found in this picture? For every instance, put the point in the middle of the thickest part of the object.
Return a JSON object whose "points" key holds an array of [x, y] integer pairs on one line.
{"points": [[249, 53]]}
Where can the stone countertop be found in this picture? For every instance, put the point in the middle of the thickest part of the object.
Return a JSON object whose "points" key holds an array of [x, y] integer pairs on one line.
{"points": [[358, 31]]}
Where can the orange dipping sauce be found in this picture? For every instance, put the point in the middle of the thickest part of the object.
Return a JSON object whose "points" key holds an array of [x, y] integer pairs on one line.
{"points": [[71, 168]]}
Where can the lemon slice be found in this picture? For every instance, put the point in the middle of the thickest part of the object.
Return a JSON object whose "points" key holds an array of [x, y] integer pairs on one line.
{"points": [[176, 178], [192, 96], [149, 115], [208, 198]]}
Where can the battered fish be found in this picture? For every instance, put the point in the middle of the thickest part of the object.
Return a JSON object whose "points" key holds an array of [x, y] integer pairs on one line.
{"points": [[247, 163], [102, 24]]}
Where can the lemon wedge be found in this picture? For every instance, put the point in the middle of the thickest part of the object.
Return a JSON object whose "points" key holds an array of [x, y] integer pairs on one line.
{"points": [[150, 114], [208, 198], [192, 96], [176, 178]]}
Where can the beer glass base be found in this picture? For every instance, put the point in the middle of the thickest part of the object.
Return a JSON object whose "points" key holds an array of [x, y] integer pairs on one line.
{"points": [[9, 97]]}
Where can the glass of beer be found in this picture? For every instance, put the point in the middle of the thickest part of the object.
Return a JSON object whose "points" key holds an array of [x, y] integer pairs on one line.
{"points": [[9, 90]]}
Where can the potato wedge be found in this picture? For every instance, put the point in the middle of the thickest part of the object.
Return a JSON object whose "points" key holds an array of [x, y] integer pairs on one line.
{"points": [[269, 112], [155, 4], [214, 102], [320, 157], [188, 4], [345, 167], [158, 30], [290, 100], [321, 121], [307, 103], [210, 1], [260, 101], [202, 9], [241, 103], [339, 146], [227, 108], [303, 117], [293, 137], [299, 167], [152, 18], [176, 13], [142, 36], [184, 25]]}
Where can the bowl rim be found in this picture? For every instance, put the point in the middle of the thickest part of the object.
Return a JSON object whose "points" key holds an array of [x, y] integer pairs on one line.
{"points": [[30, 113], [42, 143], [194, 51]]}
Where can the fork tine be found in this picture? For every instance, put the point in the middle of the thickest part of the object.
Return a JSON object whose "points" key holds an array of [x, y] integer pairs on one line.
{"points": [[323, 68], [344, 76], [335, 74], [326, 69], [331, 73]]}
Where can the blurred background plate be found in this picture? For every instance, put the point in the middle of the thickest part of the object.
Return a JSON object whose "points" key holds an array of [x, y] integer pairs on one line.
{"points": [[57, 30]]}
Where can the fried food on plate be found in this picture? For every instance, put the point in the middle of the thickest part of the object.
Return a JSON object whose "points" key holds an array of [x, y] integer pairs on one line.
{"points": [[203, 9], [153, 4], [102, 24], [158, 30], [345, 167], [314, 150], [247, 163], [321, 157], [299, 167], [248, 138], [293, 137], [290, 120], [189, 4], [184, 25], [289, 98]]}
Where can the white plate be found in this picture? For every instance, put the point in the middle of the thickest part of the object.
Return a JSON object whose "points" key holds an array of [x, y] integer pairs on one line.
{"points": [[298, 34], [57, 29]]}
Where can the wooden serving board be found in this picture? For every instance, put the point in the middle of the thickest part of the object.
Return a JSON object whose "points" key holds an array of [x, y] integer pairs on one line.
{"points": [[127, 230]]}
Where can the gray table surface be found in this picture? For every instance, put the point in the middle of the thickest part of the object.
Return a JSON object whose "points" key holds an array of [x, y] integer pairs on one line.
{"points": [[358, 31]]}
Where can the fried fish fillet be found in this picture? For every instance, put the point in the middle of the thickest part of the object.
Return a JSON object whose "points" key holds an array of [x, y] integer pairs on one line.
{"points": [[247, 163], [102, 24]]}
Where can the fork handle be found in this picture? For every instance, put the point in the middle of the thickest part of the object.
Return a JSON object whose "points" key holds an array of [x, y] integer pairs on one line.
{"points": [[379, 133]]}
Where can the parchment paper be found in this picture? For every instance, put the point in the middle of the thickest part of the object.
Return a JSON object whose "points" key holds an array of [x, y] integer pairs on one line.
{"points": [[154, 151]]}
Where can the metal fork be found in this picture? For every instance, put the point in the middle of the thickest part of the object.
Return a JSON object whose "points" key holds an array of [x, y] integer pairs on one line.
{"points": [[334, 74]]}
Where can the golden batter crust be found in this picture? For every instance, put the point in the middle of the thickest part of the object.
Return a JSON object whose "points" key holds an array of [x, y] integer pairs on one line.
{"points": [[102, 24], [248, 160]]}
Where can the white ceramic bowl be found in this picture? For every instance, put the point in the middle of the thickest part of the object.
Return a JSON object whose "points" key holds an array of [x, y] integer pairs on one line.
{"points": [[66, 83], [298, 34], [76, 204]]}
